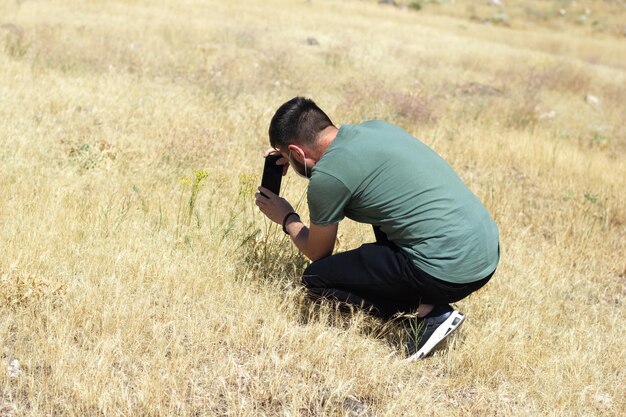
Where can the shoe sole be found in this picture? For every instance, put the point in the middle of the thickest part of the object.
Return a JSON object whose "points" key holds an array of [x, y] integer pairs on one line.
{"points": [[444, 330]]}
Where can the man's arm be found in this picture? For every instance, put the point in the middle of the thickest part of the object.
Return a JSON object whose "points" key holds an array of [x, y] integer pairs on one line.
{"points": [[316, 242]]}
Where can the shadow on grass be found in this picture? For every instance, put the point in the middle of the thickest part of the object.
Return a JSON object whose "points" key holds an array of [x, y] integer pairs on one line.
{"points": [[270, 258]]}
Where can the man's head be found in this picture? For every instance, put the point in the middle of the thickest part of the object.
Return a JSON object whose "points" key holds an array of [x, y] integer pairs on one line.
{"points": [[295, 131], [299, 121]]}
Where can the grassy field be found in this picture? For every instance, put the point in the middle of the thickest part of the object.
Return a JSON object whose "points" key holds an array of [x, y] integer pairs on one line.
{"points": [[138, 278]]}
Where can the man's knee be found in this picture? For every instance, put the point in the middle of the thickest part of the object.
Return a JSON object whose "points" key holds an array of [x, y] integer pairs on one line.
{"points": [[311, 275]]}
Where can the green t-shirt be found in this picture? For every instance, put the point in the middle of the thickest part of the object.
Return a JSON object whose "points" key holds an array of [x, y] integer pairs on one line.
{"points": [[377, 173]]}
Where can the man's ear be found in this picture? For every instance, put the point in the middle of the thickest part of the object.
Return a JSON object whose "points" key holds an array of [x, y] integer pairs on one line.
{"points": [[297, 152]]}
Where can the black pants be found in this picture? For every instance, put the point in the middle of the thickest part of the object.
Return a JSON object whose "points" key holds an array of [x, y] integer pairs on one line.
{"points": [[379, 277]]}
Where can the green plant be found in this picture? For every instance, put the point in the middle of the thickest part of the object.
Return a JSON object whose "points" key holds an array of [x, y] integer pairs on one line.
{"points": [[186, 211], [269, 253], [196, 184], [592, 198]]}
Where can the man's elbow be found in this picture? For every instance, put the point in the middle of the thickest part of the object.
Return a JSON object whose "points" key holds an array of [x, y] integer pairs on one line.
{"points": [[315, 254]]}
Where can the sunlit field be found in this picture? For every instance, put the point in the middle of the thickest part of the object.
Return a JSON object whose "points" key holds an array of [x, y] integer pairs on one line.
{"points": [[138, 278]]}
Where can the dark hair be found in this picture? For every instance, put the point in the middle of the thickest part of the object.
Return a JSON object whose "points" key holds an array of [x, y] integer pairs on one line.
{"points": [[297, 121]]}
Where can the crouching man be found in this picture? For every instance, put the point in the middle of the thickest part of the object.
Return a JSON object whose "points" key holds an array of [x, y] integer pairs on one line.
{"points": [[435, 241]]}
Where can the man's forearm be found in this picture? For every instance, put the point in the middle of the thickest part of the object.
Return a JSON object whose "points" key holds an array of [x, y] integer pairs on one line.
{"points": [[299, 234]]}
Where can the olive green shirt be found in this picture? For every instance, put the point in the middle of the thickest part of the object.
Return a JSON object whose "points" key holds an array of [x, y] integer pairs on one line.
{"points": [[377, 173]]}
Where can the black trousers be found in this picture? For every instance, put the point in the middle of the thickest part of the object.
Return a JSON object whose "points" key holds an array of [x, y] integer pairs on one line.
{"points": [[379, 277]]}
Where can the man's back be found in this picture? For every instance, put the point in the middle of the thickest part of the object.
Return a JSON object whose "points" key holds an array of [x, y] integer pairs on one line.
{"points": [[377, 173]]}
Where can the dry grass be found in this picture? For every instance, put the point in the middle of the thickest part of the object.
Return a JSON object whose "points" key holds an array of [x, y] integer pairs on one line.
{"points": [[132, 285]]}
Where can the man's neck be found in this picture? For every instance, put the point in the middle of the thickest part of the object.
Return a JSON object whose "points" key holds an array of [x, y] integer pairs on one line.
{"points": [[326, 137]]}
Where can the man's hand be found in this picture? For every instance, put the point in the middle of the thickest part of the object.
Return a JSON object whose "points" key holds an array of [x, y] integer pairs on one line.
{"points": [[282, 161], [315, 243], [273, 206]]}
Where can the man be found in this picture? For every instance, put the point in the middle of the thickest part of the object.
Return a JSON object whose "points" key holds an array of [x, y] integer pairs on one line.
{"points": [[435, 242]]}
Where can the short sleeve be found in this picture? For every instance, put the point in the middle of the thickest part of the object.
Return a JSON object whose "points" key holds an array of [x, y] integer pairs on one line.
{"points": [[327, 197]]}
